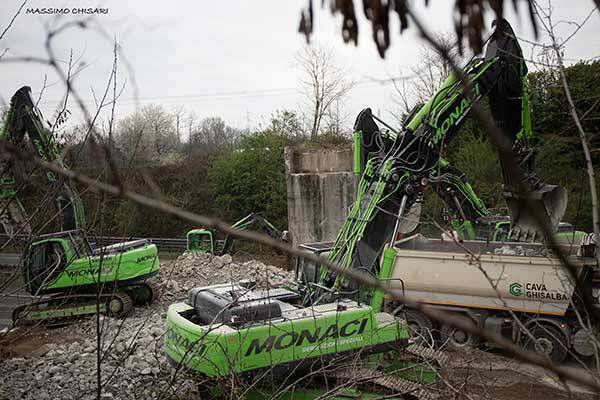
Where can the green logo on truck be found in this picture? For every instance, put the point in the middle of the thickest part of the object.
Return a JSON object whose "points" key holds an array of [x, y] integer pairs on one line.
{"points": [[536, 291], [516, 289]]}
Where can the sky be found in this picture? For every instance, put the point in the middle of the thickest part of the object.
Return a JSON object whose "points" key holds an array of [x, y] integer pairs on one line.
{"points": [[233, 59]]}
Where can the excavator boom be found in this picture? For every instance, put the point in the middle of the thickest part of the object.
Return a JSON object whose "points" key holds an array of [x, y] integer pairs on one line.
{"points": [[398, 166], [24, 119]]}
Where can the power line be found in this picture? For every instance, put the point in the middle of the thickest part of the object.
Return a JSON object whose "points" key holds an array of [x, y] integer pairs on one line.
{"points": [[234, 94]]}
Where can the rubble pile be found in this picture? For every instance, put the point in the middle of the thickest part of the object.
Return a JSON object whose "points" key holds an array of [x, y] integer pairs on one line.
{"points": [[195, 270], [133, 364], [522, 251]]}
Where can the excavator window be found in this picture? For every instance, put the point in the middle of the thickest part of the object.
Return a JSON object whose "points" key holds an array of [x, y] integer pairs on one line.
{"points": [[201, 242], [310, 272], [45, 261]]}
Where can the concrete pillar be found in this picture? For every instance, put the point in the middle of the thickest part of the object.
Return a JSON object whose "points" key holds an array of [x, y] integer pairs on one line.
{"points": [[320, 189]]}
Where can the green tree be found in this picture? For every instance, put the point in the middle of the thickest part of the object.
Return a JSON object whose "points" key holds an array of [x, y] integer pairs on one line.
{"points": [[550, 113], [250, 177]]}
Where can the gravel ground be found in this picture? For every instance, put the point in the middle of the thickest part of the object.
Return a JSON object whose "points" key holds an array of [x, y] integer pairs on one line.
{"points": [[61, 363]]}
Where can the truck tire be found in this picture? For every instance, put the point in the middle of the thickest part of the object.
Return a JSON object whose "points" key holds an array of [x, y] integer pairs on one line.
{"points": [[457, 340], [420, 328], [548, 341]]}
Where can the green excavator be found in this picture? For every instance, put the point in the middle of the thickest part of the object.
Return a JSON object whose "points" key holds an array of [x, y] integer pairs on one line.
{"points": [[64, 272], [500, 77], [205, 240]]}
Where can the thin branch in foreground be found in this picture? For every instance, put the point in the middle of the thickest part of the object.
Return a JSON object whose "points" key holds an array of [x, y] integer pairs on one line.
{"points": [[13, 20]]}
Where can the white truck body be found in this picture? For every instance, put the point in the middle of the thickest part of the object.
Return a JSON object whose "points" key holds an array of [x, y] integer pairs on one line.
{"points": [[473, 275]]}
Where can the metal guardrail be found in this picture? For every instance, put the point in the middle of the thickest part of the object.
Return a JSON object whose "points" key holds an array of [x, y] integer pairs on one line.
{"points": [[164, 244]]}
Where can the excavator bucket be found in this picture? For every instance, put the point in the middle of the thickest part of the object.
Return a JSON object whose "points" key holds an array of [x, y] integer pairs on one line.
{"points": [[547, 205]]}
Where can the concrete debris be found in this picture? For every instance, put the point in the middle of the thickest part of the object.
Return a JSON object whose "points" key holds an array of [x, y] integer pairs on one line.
{"points": [[521, 251], [133, 364], [196, 270]]}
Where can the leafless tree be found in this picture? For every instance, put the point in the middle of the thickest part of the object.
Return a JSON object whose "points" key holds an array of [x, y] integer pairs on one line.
{"points": [[178, 114], [428, 74], [545, 16], [324, 83], [150, 134], [210, 135]]}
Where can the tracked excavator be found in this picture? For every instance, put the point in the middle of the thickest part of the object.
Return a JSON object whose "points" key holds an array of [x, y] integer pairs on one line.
{"points": [[64, 272], [205, 240], [302, 331], [22, 120], [500, 77]]}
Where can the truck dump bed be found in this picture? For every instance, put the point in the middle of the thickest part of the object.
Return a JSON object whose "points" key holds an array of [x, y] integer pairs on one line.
{"points": [[520, 276]]}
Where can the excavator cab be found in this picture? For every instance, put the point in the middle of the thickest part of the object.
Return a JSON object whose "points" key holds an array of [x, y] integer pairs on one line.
{"points": [[205, 240], [44, 262], [201, 241], [49, 256], [308, 271]]}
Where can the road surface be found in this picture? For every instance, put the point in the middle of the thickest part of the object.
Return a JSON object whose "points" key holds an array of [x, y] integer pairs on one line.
{"points": [[12, 293]]}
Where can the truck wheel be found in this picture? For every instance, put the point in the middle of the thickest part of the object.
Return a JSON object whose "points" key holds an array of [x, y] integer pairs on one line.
{"points": [[420, 328], [119, 305], [549, 341], [457, 340]]}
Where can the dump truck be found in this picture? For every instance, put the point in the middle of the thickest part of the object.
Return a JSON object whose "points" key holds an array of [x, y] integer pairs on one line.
{"points": [[493, 284]]}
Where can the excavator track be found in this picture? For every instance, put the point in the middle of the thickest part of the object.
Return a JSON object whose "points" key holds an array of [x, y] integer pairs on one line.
{"points": [[61, 309], [429, 354], [413, 378], [381, 381], [143, 293]]}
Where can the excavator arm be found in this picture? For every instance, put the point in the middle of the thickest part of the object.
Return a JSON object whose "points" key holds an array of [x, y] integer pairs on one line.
{"points": [[396, 167], [253, 219], [501, 77], [24, 119]]}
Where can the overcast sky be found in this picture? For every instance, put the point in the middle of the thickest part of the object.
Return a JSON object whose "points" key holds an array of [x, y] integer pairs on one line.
{"points": [[233, 59]]}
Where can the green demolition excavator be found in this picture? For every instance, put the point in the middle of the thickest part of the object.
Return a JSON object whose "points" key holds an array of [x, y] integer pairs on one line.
{"points": [[69, 275], [501, 77], [205, 240]]}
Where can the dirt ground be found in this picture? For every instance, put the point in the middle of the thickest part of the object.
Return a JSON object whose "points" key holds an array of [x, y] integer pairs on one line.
{"points": [[493, 375], [32, 342]]}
